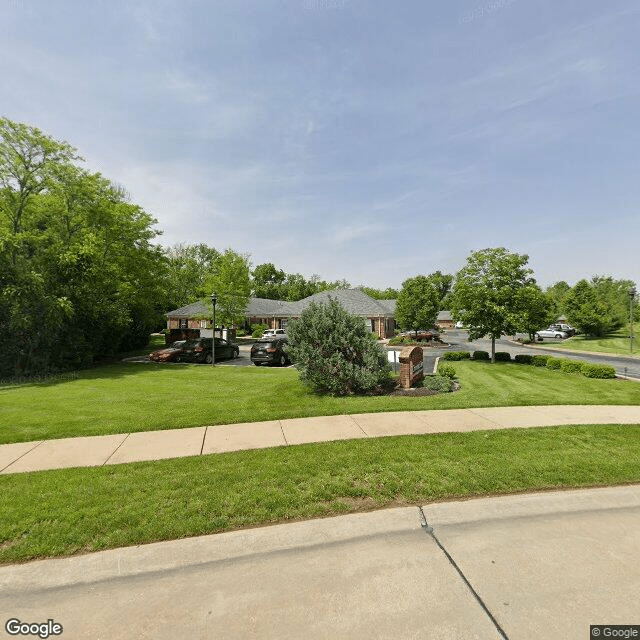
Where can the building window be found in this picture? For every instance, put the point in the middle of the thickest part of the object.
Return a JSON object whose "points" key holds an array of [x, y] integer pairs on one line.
{"points": [[184, 323], [203, 324]]}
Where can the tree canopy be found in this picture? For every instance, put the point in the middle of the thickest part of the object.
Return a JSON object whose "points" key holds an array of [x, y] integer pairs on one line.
{"points": [[79, 275], [488, 293], [418, 304]]}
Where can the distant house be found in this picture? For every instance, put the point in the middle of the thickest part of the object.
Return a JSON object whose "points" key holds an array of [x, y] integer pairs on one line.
{"points": [[379, 315], [444, 320]]}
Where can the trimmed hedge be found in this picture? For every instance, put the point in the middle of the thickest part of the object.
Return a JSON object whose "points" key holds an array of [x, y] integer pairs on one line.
{"points": [[446, 370], [554, 363], [503, 356], [571, 366], [590, 370], [481, 355], [539, 361], [455, 355], [523, 358]]}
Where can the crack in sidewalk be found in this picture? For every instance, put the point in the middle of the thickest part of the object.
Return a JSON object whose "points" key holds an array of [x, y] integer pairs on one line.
{"points": [[429, 530]]}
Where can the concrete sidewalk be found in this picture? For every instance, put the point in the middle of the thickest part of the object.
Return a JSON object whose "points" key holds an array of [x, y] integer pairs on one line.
{"points": [[543, 565], [175, 443]]}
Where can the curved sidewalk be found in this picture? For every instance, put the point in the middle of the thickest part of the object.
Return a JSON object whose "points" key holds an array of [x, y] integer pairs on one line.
{"points": [[176, 443]]}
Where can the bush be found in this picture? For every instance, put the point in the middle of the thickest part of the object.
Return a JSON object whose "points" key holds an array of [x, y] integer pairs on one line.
{"points": [[539, 361], [258, 330], [481, 355], [437, 383], [396, 341], [503, 356], [456, 355], [335, 352], [554, 363], [446, 370], [524, 358], [597, 370], [571, 366]]}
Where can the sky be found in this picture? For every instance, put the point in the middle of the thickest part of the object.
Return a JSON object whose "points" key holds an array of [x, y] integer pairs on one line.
{"points": [[370, 140]]}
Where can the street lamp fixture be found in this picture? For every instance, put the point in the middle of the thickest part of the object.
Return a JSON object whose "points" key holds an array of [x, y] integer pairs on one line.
{"points": [[214, 299], [632, 295]]}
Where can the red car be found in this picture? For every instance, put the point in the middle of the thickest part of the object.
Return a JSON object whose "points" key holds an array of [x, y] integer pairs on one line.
{"points": [[168, 354]]}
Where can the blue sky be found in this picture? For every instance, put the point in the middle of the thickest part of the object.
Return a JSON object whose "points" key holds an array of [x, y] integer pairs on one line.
{"points": [[371, 140]]}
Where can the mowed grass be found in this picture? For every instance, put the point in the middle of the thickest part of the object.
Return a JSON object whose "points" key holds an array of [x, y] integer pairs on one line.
{"points": [[62, 512], [137, 397], [615, 343]]}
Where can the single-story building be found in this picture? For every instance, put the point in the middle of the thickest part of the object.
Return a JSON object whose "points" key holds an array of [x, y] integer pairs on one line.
{"points": [[444, 320], [192, 320]]}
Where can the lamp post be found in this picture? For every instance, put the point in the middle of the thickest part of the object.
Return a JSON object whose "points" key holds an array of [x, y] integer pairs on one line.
{"points": [[632, 295], [214, 299]]}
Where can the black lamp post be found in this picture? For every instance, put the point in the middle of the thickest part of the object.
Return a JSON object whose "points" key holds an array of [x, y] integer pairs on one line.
{"points": [[632, 295], [214, 299]]}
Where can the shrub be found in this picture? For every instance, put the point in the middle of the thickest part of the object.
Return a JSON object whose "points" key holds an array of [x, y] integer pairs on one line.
{"points": [[597, 370], [258, 330], [481, 355], [446, 370], [437, 383], [396, 341], [456, 355], [334, 352], [503, 356], [554, 363], [570, 366], [539, 361], [524, 358]]}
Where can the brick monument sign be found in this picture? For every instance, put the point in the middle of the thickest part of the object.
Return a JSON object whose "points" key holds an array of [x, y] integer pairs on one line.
{"points": [[411, 366]]}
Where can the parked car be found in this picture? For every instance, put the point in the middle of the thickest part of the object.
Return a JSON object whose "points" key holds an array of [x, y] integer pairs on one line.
{"points": [[272, 333], [560, 326], [270, 351], [201, 350], [551, 333], [168, 354]]}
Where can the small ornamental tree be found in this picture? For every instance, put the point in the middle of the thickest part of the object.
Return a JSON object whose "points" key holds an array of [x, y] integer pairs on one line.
{"points": [[335, 352]]}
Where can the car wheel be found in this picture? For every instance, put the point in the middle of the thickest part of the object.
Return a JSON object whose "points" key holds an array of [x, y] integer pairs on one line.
{"points": [[257, 363], [236, 353], [558, 336], [208, 358], [283, 361]]}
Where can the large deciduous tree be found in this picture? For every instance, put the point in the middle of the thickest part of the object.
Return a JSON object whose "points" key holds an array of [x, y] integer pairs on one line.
{"points": [[418, 304], [537, 309], [488, 292], [79, 277], [230, 281]]}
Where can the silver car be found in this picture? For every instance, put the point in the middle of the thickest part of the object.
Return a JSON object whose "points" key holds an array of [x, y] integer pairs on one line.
{"points": [[551, 333]]}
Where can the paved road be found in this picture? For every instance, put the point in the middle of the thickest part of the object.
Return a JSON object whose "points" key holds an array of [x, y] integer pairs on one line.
{"points": [[458, 339], [543, 565]]}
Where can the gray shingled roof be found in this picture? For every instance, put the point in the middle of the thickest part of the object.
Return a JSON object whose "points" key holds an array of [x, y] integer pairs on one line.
{"points": [[352, 300], [444, 315]]}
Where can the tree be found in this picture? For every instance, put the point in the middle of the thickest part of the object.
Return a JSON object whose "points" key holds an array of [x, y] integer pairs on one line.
{"points": [[334, 351], [418, 304], [586, 311], [268, 282], [442, 282], [188, 267], [230, 281], [79, 277], [557, 292], [487, 293], [378, 294], [537, 309]]}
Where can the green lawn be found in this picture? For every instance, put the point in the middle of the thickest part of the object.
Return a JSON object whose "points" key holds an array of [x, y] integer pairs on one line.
{"points": [[139, 397], [62, 512], [615, 343]]}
